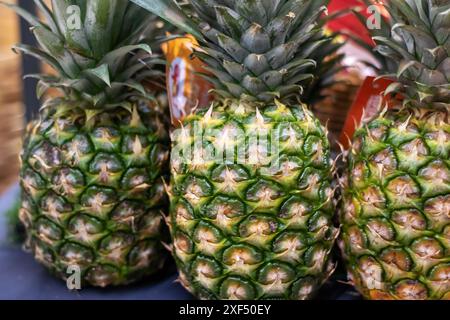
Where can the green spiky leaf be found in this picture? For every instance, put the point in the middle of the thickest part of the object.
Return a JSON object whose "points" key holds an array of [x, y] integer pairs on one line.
{"points": [[171, 12]]}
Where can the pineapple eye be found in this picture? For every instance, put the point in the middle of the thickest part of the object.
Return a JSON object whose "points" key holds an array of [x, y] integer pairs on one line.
{"points": [[316, 257], [440, 273], [372, 201], [236, 288], [295, 212], [290, 246], [78, 150], [379, 232], [403, 192], [311, 183], [315, 151], [103, 275], [85, 229], [258, 229], [426, 248], [410, 220], [148, 225], [75, 254], [69, 183], [223, 206], [106, 139], [208, 239], [402, 132], [32, 183], [106, 169], [242, 259], [230, 179], [349, 211], [45, 158], [45, 254], [303, 288], [98, 201], [183, 246], [62, 131], [265, 193], [275, 278], [182, 215], [225, 212], [194, 189], [144, 255], [377, 132], [438, 211], [397, 258], [114, 248], [206, 271], [411, 290], [435, 179], [127, 213], [383, 164], [439, 142], [48, 231], [356, 240], [371, 273], [134, 144], [136, 180]]}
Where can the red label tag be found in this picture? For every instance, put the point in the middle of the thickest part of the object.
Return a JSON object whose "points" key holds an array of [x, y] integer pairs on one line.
{"points": [[369, 100]]}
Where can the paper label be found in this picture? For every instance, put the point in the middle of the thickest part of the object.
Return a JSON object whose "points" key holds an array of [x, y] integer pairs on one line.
{"points": [[369, 101], [186, 89]]}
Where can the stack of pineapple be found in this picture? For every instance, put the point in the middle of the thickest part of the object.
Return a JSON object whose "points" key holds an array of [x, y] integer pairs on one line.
{"points": [[252, 191]]}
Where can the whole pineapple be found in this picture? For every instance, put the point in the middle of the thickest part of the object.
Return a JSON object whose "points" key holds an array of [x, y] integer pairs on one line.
{"points": [[251, 192], [396, 203], [92, 164]]}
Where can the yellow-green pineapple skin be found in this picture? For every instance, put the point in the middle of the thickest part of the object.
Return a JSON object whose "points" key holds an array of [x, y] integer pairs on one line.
{"points": [[93, 197], [395, 214], [249, 229]]}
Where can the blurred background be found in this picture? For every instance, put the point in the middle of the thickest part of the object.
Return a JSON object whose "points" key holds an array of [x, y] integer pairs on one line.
{"points": [[12, 109]]}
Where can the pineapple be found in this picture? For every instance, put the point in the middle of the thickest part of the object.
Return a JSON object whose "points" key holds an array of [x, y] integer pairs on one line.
{"points": [[93, 161], [396, 192], [251, 190]]}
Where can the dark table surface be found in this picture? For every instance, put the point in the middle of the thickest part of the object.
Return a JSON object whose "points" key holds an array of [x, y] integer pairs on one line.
{"points": [[23, 278]]}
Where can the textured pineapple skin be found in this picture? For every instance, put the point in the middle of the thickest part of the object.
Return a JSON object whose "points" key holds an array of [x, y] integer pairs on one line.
{"points": [[242, 232], [395, 216], [92, 195]]}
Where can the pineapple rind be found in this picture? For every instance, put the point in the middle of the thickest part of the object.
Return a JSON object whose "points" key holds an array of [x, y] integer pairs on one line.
{"points": [[252, 230], [396, 206], [93, 197]]}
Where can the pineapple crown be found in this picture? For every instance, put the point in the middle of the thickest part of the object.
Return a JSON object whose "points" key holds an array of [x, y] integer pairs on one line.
{"points": [[417, 40], [260, 50], [100, 50]]}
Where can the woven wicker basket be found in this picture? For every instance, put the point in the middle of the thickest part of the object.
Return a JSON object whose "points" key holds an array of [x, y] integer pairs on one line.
{"points": [[11, 119], [333, 110], [11, 110]]}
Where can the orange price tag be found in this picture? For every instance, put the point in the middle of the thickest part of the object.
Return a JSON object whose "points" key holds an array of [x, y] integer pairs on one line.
{"points": [[186, 89], [368, 102]]}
